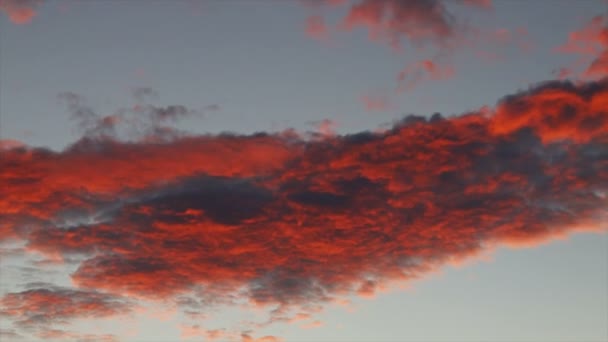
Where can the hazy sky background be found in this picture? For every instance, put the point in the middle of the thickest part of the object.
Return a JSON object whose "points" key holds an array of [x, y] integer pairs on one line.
{"points": [[254, 61]]}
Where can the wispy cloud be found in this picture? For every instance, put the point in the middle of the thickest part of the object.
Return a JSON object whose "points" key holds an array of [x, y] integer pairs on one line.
{"points": [[19, 11], [591, 43], [422, 71]]}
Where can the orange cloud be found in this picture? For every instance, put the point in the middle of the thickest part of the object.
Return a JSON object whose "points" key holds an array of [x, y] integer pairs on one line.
{"points": [[267, 338], [276, 219]]}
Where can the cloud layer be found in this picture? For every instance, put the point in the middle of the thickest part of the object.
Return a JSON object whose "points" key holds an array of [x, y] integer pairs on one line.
{"points": [[281, 220]]}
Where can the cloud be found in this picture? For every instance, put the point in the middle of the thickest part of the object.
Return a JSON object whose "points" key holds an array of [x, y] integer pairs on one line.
{"points": [[425, 70], [19, 11], [556, 111], [325, 127], [10, 335], [375, 102], [316, 28], [53, 304], [268, 338], [395, 21], [279, 220], [430, 27], [142, 121], [7, 144], [193, 331], [485, 4], [391, 21], [590, 42], [62, 335]]}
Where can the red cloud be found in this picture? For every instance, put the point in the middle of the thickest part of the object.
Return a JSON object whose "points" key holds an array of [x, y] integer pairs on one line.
{"points": [[283, 221], [19, 11], [391, 21], [591, 42], [39, 175], [395, 21], [7, 144], [556, 113]]}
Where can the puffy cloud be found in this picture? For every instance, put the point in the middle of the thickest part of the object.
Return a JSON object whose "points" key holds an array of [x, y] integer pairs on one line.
{"points": [[393, 21], [275, 219], [19, 11], [557, 111]]}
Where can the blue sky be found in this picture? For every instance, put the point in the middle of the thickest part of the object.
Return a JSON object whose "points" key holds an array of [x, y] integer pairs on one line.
{"points": [[247, 66]]}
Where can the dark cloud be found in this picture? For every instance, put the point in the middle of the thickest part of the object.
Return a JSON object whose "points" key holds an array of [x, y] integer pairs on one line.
{"points": [[48, 305]]}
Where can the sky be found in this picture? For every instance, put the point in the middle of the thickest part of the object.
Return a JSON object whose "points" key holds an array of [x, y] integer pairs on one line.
{"points": [[303, 170]]}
